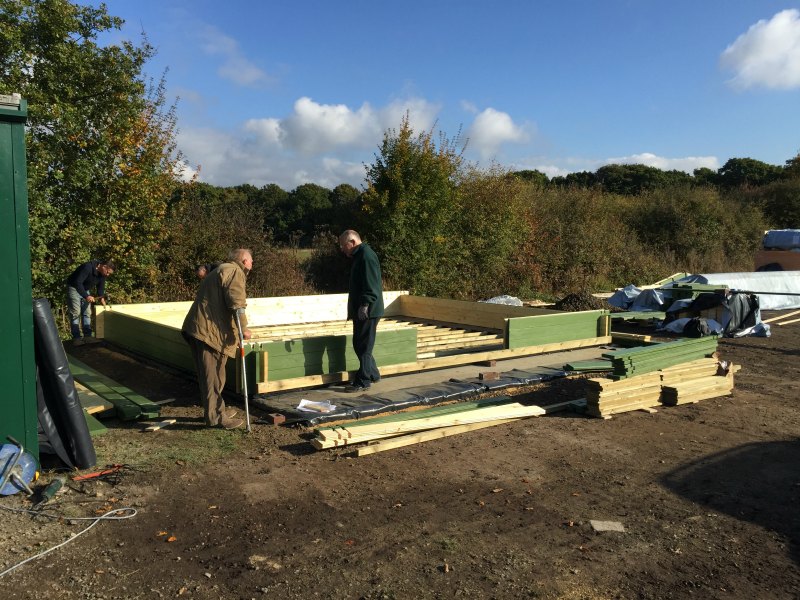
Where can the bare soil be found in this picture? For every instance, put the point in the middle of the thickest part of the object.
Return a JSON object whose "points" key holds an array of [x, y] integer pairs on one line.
{"points": [[707, 495]]}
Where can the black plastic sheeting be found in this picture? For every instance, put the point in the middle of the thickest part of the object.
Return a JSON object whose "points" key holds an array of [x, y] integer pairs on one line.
{"points": [[62, 426], [369, 405]]}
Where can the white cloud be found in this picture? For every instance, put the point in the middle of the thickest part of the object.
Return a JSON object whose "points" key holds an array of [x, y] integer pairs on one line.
{"points": [[314, 128], [469, 107], [267, 131], [235, 66], [184, 172], [767, 55], [319, 143], [493, 128]]}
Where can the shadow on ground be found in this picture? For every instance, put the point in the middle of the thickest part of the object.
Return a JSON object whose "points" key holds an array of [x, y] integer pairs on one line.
{"points": [[758, 483]]}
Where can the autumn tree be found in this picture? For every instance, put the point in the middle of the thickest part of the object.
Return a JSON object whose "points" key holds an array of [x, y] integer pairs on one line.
{"points": [[409, 203], [100, 140]]}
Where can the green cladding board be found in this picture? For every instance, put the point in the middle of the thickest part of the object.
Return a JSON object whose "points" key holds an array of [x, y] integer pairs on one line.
{"points": [[680, 291], [154, 340], [128, 405], [539, 330], [646, 359], [334, 353]]}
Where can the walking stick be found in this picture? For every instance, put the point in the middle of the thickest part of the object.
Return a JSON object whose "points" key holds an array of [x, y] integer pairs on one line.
{"points": [[244, 370]]}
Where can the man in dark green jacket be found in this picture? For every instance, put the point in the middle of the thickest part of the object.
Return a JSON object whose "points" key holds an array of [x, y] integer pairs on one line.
{"points": [[364, 306]]}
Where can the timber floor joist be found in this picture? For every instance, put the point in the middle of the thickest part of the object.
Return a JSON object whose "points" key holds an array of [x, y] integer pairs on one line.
{"points": [[434, 338]]}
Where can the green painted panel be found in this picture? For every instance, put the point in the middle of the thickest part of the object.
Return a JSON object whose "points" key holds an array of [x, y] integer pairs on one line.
{"points": [[166, 345], [539, 330], [334, 354], [163, 344]]}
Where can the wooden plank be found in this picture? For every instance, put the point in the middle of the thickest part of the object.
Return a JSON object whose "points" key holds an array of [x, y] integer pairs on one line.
{"points": [[92, 403], [479, 314], [420, 413], [159, 425], [636, 338], [366, 431], [95, 426], [788, 322], [637, 404], [85, 372], [426, 436], [781, 317]]}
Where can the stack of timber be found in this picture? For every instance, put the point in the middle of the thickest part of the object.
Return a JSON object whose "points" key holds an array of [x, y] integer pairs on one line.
{"points": [[679, 384], [646, 359], [115, 399], [395, 431], [683, 389]]}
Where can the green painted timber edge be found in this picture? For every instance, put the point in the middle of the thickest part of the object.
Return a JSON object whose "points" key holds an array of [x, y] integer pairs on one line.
{"points": [[95, 426], [424, 413], [652, 367], [539, 330], [663, 347], [334, 354], [145, 403], [125, 409], [86, 372]]}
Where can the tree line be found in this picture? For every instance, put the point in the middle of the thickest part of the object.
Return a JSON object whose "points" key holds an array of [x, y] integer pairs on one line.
{"points": [[103, 183]]}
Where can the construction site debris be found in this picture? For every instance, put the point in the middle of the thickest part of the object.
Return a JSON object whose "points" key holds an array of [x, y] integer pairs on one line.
{"points": [[578, 301]]}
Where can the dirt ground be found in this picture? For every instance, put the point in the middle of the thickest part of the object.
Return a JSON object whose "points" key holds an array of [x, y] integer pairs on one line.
{"points": [[707, 495]]}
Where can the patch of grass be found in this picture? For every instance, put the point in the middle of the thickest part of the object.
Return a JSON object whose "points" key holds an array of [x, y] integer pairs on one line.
{"points": [[164, 448], [448, 544]]}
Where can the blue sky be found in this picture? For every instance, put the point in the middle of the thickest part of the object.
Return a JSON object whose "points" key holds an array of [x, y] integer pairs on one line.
{"points": [[297, 92]]}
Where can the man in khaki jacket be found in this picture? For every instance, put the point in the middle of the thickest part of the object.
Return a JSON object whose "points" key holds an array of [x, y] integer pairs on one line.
{"points": [[211, 332]]}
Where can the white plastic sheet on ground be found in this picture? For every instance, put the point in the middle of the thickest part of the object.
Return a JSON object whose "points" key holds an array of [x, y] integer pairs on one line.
{"points": [[769, 283]]}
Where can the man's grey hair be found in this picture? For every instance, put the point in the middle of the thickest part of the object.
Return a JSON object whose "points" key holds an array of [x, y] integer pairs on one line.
{"points": [[348, 235], [239, 254]]}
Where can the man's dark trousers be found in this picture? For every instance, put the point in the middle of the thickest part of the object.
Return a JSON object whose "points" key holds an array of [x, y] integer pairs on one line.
{"points": [[363, 344]]}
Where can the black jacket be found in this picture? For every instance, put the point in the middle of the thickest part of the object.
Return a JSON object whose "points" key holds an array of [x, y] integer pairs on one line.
{"points": [[85, 277]]}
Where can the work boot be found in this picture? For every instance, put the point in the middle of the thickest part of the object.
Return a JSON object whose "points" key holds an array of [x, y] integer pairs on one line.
{"points": [[231, 423], [230, 413]]}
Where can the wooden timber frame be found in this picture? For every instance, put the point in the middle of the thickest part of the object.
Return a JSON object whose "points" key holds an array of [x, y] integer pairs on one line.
{"points": [[305, 341]]}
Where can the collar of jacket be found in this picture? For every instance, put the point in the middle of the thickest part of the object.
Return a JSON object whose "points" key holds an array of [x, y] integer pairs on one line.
{"points": [[241, 266]]}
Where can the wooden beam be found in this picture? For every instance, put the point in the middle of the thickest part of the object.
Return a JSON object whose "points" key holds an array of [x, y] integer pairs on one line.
{"points": [[788, 322], [364, 431], [407, 440], [781, 317]]}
